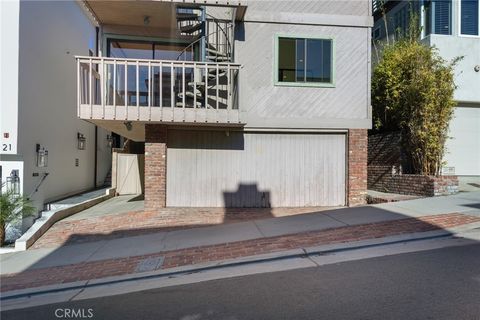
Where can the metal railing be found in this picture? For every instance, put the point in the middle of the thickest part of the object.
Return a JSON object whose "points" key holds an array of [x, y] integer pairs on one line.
{"points": [[110, 82]]}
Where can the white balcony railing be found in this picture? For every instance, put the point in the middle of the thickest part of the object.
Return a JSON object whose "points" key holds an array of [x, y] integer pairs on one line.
{"points": [[157, 90]]}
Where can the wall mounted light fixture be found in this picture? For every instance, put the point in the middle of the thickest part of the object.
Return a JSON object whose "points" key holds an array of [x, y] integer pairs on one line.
{"points": [[81, 141], [128, 125], [13, 182], [42, 156], [109, 140]]}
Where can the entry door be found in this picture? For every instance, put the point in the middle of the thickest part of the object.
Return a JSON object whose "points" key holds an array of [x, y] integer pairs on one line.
{"points": [[236, 169]]}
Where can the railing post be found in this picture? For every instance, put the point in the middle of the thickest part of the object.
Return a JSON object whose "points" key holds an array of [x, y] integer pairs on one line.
{"points": [[125, 90], [218, 83], [172, 83], [206, 87], [194, 86], [102, 86], [114, 89], [183, 84], [149, 90], [90, 87], [160, 84], [228, 88], [138, 89]]}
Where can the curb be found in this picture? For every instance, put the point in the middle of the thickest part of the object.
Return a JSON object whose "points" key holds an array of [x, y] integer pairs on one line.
{"points": [[264, 258]]}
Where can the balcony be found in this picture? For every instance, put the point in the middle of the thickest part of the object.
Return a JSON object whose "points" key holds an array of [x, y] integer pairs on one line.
{"points": [[157, 91]]}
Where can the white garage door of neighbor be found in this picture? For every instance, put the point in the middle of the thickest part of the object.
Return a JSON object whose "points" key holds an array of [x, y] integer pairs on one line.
{"points": [[236, 169], [463, 149]]}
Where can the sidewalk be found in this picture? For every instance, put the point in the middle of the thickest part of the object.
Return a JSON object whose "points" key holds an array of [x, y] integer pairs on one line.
{"points": [[170, 249]]}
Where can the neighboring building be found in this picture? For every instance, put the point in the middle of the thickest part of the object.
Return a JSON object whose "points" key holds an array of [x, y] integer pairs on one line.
{"points": [[452, 27], [40, 131], [239, 104]]}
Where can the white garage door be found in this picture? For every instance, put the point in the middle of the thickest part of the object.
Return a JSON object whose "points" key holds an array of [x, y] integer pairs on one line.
{"points": [[235, 169], [463, 149]]}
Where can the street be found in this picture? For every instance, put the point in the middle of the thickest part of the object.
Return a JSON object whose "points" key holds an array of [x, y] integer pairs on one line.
{"points": [[436, 284]]}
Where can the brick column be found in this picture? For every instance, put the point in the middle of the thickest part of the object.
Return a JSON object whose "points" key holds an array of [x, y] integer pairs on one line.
{"points": [[357, 166], [155, 166]]}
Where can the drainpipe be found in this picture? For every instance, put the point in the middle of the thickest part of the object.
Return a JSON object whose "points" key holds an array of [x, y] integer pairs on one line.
{"points": [[96, 128]]}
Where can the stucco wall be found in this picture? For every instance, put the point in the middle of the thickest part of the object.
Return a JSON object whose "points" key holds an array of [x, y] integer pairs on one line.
{"points": [[51, 33]]}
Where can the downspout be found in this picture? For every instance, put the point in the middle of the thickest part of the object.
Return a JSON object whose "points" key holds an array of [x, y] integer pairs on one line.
{"points": [[96, 128]]}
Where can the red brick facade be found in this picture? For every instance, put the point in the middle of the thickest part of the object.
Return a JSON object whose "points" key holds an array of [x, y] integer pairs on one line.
{"points": [[155, 166], [357, 166], [156, 162]]}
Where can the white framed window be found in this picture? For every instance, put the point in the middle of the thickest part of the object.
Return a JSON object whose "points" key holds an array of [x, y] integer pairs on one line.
{"points": [[438, 17]]}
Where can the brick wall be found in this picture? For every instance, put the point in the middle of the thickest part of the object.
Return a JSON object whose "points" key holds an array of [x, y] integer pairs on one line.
{"points": [[357, 166], [384, 171], [155, 166]]}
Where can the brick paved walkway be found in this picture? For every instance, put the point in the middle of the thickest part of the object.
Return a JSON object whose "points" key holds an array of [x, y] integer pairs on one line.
{"points": [[139, 223], [122, 266]]}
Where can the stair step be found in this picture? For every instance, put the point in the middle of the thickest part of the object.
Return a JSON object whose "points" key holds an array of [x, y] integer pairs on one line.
{"points": [[191, 84], [216, 53], [218, 58], [180, 104], [191, 28], [187, 16], [190, 94]]}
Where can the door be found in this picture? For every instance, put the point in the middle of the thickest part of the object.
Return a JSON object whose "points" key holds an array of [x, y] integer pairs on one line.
{"points": [[130, 173], [237, 169]]}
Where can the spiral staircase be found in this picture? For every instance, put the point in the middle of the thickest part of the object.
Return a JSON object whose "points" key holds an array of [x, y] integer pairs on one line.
{"points": [[207, 45]]}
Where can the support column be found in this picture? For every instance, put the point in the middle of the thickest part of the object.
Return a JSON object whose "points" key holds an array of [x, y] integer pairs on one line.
{"points": [[155, 166], [357, 166]]}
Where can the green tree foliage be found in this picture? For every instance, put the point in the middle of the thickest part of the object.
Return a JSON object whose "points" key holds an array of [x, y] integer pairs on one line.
{"points": [[412, 91]]}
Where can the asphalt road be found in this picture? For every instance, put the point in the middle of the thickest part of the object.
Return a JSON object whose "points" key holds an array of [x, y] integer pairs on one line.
{"points": [[437, 284]]}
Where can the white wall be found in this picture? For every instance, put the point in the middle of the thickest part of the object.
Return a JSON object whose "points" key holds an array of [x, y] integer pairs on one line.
{"points": [[51, 34], [9, 19]]}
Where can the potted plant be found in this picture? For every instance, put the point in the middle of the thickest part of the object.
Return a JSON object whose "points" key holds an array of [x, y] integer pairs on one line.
{"points": [[13, 207]]}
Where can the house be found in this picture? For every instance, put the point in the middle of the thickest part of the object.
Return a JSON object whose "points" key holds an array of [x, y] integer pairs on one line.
{"points": [[234, 103], [47, 153], [453, 28]]}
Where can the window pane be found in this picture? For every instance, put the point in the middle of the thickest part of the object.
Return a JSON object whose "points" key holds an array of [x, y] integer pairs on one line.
{"points": [[172, 52], [442, 16], [131, 50], [319, 60], [286, 59], [300, 60], [469, 17]]}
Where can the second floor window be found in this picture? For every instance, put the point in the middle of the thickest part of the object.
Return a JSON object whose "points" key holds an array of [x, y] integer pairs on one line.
{"points": [[304, 61], [469, 17], [438, 17]]}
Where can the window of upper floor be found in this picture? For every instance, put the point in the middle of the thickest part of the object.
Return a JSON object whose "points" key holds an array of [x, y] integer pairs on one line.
{"points": [[438, 17], [304, 61], [145, 49], [469, 15]]}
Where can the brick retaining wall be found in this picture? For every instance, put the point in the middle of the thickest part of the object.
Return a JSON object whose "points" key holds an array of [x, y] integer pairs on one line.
{"points": [[385, 163]]}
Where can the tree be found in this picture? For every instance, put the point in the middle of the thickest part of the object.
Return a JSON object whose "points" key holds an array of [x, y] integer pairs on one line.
{"points": [[13, 208], [412, 91]]}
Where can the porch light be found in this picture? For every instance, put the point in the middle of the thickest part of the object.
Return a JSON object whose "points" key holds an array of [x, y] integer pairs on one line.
{"points": [[42, 156], [81, 141], [13, 182], [128, 125], [109, 140]]}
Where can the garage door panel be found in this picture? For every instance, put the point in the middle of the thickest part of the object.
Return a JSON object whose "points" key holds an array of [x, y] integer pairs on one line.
{"points": [[213, 169]]}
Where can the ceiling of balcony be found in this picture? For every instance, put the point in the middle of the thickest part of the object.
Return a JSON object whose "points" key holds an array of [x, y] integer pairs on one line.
{"points": [[133, 13]]}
